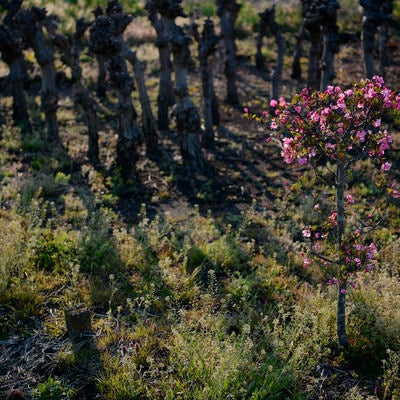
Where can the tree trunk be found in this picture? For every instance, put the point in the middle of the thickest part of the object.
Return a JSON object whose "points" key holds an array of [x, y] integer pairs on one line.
{"points": [[106, 39], [14, 58], [262, 30], [314, 56], [29, 22], [101, 88], [330, 32], [342, 286], [82, 97], [166, 97], [148, 126], [129, 135], [276, 75], [341, 315], [371, 21], [384, 35], [228, 11], [184, 111], [298, 52], [207, 46]]}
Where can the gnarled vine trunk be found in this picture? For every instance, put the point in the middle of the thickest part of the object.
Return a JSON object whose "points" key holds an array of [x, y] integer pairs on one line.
{"points": [[14, 58], [228, 11], [148, 125], [82, 97], [166, 97], [30, 23], [330, 33], [185, 112], [106, 38]]}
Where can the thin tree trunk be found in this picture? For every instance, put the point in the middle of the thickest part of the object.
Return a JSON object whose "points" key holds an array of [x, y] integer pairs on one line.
{"points": [[341, 221], [341, 315]]}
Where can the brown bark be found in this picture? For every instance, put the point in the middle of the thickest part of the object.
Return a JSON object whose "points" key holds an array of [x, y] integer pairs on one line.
{"points": [[30, 23], [228, 11]]}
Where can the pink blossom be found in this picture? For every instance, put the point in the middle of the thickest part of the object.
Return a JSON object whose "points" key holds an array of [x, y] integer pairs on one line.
{"points": [[306, 262], [376, 123], [386, 166], [288, 153], [274, 125], [373, 248], [349, 199], [273, 103], [306, 233], [302, 160], [395, 194], [246, 110], [361, 135], [343, 291], [268, 139], [297, 109], [264, 114], [282, 102]]}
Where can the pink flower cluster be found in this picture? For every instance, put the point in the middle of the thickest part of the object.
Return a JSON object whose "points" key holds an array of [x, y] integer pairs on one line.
{"points": [[334, 122]]}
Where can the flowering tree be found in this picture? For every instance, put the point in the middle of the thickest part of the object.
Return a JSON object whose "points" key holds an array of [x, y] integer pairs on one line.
{"points": [[342, 127]]}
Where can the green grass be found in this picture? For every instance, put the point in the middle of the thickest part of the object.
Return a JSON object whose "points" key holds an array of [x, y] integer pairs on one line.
{"points": [[187, 303]]}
